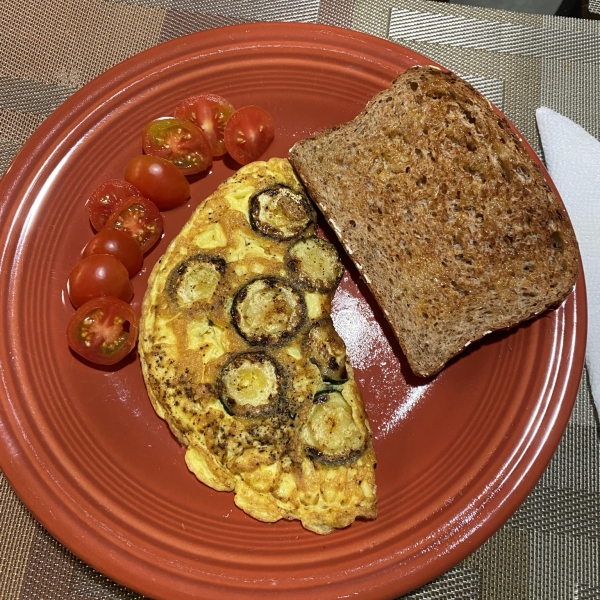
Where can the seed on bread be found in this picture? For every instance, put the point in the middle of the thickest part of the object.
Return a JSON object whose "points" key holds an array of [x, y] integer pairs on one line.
{"points": [[450, 222]]}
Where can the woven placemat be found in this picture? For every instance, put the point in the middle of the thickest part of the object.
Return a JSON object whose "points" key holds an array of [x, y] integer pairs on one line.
{"points": [[549, 549]]}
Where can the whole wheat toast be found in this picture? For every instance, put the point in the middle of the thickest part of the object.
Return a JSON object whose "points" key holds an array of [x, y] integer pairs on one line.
{"points": [[450, 222]]}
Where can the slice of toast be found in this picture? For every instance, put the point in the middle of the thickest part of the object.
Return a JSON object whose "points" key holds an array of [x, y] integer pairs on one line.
{"points": [[450, 222]]}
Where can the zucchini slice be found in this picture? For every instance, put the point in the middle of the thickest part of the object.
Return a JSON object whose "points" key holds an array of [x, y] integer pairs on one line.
{"points": [[315, 264], [281, 213], [330, 434], [324, 347], [268, 311], [250, 385], [195, 279]]}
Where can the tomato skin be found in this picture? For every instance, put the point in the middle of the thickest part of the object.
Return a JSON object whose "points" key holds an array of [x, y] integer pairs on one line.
{"points": [[98, 275], [158, 180], [103, 330], [139, 218], [105, 198], [181, 142], [118, 244], [211, 113], [248, 133]]}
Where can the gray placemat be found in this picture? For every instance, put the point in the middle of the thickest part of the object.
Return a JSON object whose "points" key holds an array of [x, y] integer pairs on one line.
{"points": [[549, 549]]}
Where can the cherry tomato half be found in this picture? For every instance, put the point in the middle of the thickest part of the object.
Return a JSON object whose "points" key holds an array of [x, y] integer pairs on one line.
{"points": [[211, 113], [99, 275], [106, 198], [158, 180], [118, 244], [103, 330], [248, 133], [141, 219], [181, 142]]}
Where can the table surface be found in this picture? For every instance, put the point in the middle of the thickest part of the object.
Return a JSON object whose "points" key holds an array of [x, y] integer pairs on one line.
{"points": [[48, 49]]}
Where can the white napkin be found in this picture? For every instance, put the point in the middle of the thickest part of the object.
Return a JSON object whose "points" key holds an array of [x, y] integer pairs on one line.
{"points": [[573, 161]]}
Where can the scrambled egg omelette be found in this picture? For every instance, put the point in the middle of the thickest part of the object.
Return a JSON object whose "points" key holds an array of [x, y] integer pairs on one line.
{"points": [[241, 359]]}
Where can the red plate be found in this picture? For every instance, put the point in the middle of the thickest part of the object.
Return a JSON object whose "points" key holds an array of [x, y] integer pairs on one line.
{"points": [[83, 447]]}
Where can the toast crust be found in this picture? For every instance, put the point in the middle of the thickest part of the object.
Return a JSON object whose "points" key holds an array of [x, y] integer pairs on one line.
{"points": [[448, 219]]}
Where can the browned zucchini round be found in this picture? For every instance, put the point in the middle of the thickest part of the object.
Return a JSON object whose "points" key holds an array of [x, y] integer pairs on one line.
{"points": [[251, 385], [315, 264], [195, 279], [330, 434], [268, 311], [324, 347], [281, 213]]}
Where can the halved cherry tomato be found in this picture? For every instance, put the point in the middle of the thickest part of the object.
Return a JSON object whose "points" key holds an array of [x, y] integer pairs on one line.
{"points": [[118, 244], [103, 330], [140, 218], [248, 133], [98, 275], [181, 142], [158, 180], [211, 113], [105, 198]]}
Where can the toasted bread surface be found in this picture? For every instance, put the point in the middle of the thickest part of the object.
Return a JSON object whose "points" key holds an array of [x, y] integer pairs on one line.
{"points": [[450, 222]]}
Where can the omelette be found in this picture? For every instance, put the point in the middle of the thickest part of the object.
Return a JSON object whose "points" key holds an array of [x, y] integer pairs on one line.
{"points": [[241, 358]]}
